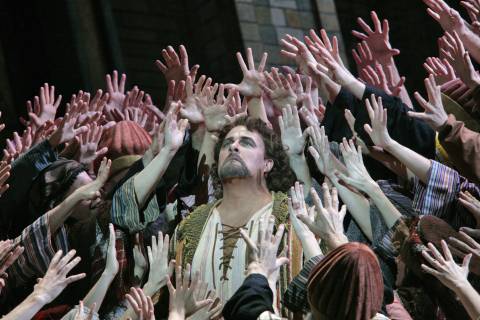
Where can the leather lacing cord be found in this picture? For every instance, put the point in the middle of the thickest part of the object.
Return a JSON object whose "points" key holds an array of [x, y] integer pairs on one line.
{"points": [[227, 233]]}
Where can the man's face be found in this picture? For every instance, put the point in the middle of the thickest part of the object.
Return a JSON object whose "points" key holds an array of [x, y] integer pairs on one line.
{"points": [[242, 155]]}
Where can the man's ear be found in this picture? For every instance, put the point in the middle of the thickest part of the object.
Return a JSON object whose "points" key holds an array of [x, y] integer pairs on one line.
{"points": [[268, 165]]}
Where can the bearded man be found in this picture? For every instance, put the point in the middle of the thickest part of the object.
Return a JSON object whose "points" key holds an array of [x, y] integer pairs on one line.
{"points": [[250, 177]]}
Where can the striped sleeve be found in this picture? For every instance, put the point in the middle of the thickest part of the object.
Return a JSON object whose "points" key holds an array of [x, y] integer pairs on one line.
{"points": [[40, 247], [125, 212], [439, 196], [295, 298]]}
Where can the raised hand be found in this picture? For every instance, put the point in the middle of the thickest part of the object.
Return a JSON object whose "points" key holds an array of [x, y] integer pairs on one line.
{"points": [[278, 88], [141, 304], [293, 139], [89, 110], [471, 203], [116, 90], [250, 85], [378, 131], [160, 268], [263, 253], [175, 92], [9, 253], [174, 132], [328, 56], [358, 176], [111, 266], [473, 9], [81, 315], [320, 150], [190, 108], [88, 141], [442, 70], [215, 108], [460, 60], [46, 106], [17, 145], [297, 208], [212, 311], [66, 131], [363, 56], [176, 68], [377, 77], [377, 39], [444, 267], [298, 51], [466, 244], [91, 190], [434, 115], [328, 220], [183, 296], [56, 279], [448, 18]]}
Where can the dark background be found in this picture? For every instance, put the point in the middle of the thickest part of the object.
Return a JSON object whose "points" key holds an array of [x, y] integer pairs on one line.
{"points": [[73, 44]]}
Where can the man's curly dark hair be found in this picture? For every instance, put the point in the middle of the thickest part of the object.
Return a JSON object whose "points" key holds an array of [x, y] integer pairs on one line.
{"points": [[280, 178]]}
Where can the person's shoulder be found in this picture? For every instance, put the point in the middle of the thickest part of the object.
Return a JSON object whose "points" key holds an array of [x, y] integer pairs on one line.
{"points": [[194, 222], [280, 208]]}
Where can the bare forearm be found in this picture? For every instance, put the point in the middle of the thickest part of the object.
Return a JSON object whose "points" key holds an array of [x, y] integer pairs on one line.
{"points": [[403, 95], [98, 291], [207, 149], [58, 215], [25, 310], [299, 165], [471, 42], [146, 181], [389, 213], [470, 298], [416, 163], [355, 87], [256, 109], [357, 205]]}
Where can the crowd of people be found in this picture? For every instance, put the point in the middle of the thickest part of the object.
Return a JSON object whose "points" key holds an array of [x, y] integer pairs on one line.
{"points": [[299, 193]]}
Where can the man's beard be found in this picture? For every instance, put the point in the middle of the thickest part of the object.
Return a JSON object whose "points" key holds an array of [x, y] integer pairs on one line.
{"points": [[233, 167]]}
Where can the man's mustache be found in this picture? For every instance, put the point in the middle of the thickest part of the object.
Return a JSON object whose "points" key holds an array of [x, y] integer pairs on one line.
{"points": [[234, 156]]}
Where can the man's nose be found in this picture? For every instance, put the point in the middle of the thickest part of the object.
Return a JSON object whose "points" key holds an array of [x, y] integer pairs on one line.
{"points": [[234, 146]]}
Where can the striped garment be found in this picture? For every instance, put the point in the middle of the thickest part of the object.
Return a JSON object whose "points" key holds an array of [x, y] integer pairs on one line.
{"points": [[439, 196], [125, 211], [40, 247], [295, 298]]}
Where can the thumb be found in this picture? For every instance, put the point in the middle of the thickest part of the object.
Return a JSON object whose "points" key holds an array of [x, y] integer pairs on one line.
{"points": [[281, 261]]}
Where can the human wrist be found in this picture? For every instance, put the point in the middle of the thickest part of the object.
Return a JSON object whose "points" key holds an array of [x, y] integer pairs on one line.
{"points": [[108, 274], [177, 314], [256, 268], [460, 286], [54, 139], [38, 297], [335, 240]]}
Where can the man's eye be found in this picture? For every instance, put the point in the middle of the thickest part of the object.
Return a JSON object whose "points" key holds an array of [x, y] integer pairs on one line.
{"points": [[247, 143], [225, 144]]}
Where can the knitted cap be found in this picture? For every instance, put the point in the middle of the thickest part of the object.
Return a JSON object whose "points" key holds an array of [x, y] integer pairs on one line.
{"points": [[346, 284]]}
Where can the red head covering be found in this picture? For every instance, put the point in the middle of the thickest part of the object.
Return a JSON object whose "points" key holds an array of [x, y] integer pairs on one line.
{"points": [[126, 142], [125, 138], [346, 284]]}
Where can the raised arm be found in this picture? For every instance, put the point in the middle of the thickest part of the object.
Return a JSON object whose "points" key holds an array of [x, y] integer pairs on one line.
{"points": [[293, 141], [416, 163], [49, 287], [95, 296], [326, 162], [146, 180], [90, 191]]}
